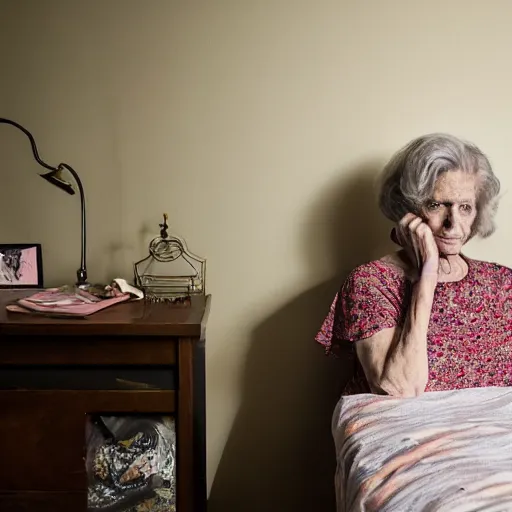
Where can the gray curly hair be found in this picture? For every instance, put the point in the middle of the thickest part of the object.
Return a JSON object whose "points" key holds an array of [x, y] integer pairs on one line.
{"points": [[408, 179]]}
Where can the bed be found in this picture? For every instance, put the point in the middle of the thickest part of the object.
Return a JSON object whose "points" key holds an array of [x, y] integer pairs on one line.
{"points": [[444, 451]]}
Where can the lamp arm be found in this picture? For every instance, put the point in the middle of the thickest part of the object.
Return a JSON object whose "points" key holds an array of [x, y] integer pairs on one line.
{"points": [[32, 143], [82, 271], [51, 176]]}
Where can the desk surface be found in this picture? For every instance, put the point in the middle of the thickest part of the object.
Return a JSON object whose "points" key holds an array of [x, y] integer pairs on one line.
{"points": [[129, 318]]}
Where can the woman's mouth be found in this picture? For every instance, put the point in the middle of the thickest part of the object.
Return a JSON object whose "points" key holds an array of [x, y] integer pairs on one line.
{"points": [[448, 240]]}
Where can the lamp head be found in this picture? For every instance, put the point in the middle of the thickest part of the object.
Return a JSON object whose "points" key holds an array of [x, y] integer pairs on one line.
{"points": [[55, 178]]}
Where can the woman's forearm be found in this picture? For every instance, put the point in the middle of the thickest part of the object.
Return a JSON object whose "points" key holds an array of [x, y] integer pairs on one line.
{"points": [[405, 371]]}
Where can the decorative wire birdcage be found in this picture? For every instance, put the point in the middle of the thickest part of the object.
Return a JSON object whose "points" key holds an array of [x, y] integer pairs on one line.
{"points": [[152, 273]]}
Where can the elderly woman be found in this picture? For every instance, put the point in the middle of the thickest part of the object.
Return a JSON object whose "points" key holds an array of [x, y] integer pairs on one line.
{"points": [[427, 317]]}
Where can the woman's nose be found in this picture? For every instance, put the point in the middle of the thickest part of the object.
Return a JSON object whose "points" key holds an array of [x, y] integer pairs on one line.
{"points": [[451, 220], [447, 222]]}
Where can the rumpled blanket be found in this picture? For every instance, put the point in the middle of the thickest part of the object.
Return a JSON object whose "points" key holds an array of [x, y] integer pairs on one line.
{"points": [[444, 451]]}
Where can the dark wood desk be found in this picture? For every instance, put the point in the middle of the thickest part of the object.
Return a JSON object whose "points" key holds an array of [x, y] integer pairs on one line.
{"points": [[55, 372]]}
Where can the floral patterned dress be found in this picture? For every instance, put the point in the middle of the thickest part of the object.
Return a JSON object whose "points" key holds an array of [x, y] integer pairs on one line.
{"points": [[469, 337]]}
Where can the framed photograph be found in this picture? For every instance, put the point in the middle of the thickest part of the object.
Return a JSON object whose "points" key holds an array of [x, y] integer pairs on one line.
{"points": [[21, 266]]}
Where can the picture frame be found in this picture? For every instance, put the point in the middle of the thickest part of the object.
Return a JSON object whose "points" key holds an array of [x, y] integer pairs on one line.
{"points": [[21, 266]]}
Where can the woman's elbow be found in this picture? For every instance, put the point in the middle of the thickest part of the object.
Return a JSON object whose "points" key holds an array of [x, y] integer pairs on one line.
{"points": [[406, 390], [412, 392]]}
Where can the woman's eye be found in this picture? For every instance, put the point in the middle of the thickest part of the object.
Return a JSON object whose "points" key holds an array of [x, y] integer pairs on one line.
{"points": [[433, 205], [466, 208]]}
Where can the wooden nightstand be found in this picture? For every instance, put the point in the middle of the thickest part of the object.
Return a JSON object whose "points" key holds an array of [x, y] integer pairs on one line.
{"points": [[55, 372]]}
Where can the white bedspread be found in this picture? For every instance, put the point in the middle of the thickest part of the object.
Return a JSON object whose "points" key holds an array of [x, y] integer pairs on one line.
{"points": [[445, 451]]}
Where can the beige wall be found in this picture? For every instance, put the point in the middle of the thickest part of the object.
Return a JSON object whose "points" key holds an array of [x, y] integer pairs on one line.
{"points": [[258, 127]]}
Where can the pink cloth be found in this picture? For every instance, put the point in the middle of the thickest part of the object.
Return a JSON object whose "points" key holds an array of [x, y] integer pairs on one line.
{"points": [[470, 331], [53, 301]]}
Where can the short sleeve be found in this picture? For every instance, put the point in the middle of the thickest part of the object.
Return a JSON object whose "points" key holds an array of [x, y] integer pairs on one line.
{"points": [[372, 298]]}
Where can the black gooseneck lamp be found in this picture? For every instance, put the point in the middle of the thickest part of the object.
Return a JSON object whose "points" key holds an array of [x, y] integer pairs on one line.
{"points": [[54, 176]]}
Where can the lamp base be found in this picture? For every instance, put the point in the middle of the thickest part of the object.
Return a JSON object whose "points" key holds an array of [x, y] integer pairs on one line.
{"points": [[81, 275]]}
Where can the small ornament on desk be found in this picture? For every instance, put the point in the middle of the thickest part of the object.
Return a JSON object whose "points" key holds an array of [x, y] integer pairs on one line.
{"points": [[170, 273]]}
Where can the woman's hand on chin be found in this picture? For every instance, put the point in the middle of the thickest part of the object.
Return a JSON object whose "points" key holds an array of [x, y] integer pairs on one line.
{"points": [[417, 239]]}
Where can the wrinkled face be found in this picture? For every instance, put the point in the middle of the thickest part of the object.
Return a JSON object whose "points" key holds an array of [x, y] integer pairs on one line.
{"points": [[451, 211]]}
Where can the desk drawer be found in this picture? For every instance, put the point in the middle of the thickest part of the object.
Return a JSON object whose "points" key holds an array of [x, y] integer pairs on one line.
{"points": [[32, 377], [87, 350], [43, 502], [42, 433]]}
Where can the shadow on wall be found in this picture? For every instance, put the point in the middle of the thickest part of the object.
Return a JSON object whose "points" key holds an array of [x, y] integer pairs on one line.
{"points": [[280, 455]]}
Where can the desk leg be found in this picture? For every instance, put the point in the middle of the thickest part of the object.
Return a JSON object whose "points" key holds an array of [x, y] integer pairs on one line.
{"points": [[200, 426], [191, 445]]}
